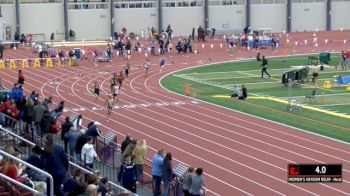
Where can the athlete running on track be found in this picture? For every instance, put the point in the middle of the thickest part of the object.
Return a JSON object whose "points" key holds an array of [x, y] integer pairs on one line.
{"points": [[109, 105], [146, 67]]}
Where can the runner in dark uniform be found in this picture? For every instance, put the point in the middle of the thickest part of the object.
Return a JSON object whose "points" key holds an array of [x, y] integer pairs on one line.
{"points": [[96, 90]]}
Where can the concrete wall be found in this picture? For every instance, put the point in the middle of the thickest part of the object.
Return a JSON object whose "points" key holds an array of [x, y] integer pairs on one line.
{"points": [[227, 17], [269, 16], [9, 17], [340, 15], [135, 19], [182, 20], [308, 16], [42, 18], [90, 24]]}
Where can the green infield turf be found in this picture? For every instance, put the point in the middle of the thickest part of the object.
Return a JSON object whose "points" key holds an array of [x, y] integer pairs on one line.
{"points": [[218, 79]]}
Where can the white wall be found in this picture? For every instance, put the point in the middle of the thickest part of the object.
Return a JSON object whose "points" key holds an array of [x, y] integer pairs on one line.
{"points": [[230, 17], [42, 18], [9, 17], [269, 16], [135, 19], [90, 24], [183, 20], [340, 15], [308, 16]]}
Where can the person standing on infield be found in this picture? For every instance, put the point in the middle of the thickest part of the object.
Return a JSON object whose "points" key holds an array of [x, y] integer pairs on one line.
{"points": [[264, 67]]}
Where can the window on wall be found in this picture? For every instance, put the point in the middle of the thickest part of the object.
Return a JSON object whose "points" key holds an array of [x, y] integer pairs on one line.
{"points": [[226, 2], [268, 1], [120, 4], [7, 1], [40, 1], [183, 3], [309, 1], [87, 4]]}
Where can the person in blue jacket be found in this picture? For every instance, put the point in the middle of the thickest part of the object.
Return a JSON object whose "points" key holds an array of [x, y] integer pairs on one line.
{"points": [[56, 163]]}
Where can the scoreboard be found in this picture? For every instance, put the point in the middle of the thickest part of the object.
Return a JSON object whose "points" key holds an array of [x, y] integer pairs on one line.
{"points": [[323, 173]]}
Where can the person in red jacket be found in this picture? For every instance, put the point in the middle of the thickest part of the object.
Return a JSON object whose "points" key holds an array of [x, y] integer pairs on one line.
{"points": [[20, 77]]}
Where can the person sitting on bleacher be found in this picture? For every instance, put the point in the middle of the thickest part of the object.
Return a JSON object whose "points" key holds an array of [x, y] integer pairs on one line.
{"points": [[11, 168], [103, 187], [34, 159], [74, 185]]}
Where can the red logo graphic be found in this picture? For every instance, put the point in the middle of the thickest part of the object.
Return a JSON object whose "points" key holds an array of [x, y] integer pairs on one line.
{"points": [[293, 170]]}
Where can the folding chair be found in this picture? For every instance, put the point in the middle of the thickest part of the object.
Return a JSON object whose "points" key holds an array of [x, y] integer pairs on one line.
{"points": [[311, 97]]}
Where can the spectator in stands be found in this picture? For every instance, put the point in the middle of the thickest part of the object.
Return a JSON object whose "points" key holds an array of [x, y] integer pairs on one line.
{"points": [[71, 137], [197, 182], [46, 123], [91, 189], [38, 114], [23, 39], [34, 159], [33, 96], [20, 77], [21, 104], [74, 185], [29, 112], [80, 143], [138, 155], [2, 48], [127, 174], [126, 142], [88, 154], [93, 130], [157, 164], [12, 169], [65, 128], [47, 101], [188, 181], [55, 162], [128, 150], [103, 187], [77, 123], [167, 172], [58, 111]]}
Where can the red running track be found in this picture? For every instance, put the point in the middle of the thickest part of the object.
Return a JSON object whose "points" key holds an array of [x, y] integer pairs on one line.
{"points": [[240, 154]]}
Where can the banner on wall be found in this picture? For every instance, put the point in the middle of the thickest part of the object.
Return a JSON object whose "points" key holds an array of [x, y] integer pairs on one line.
{"points": [[36, 63]]}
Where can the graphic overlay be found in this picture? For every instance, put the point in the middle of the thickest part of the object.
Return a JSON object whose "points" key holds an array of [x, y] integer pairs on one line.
{"points": [[315, 173]]}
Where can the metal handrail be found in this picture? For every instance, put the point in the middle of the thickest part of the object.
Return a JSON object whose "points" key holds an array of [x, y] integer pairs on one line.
{"points": [[70, 163], [18, 183], [32, 167]]}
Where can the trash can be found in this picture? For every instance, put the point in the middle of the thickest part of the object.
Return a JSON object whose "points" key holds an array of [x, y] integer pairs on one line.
{"points": [[325, 57], [77, 52]]}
